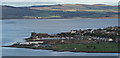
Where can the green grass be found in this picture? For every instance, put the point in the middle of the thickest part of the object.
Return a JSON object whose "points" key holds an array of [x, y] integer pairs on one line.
{"points": [[104, 46]]}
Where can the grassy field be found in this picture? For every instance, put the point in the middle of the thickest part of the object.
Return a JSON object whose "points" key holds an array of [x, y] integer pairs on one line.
{"points": [[104, 46], [89, 47]]}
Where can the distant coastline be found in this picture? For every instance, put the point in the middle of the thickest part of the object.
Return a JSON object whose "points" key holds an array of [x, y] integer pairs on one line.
{"points": [[61, 11], [62, 18]]}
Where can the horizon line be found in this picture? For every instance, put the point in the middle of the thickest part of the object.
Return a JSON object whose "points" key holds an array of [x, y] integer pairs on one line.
{"points": [[53, 4]]}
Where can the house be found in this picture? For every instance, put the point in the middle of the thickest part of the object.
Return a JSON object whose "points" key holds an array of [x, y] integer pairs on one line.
{"points": [[73, 31], [110, 40], [38, 35], [29, 43]]}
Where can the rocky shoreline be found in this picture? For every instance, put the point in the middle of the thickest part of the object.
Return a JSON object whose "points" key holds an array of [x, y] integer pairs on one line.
{"points": [[64, 50]]}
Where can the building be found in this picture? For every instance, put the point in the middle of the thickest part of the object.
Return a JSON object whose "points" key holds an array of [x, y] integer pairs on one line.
{"points": [[73, 31], [29, 43], [46, 45], [38, 35]]}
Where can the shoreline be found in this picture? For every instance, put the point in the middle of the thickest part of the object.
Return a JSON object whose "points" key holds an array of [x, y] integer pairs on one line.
{"points": [[65, 50], [59, 18], [89, 42]]}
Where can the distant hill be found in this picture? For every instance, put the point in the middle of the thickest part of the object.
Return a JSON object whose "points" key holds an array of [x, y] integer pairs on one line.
{"points": [[65, 11], [76, 7]]}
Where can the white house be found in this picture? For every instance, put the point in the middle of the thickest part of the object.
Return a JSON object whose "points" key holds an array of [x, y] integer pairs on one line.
{"points": [[110, 39], [28, 43], [73, 31]]}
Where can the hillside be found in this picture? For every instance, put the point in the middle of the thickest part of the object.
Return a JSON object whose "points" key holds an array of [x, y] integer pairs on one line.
{"points": [[76, 7], [65, 11]]}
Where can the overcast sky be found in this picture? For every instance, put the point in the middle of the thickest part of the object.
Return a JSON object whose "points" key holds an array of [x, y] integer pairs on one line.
{"points": [[109, 2], [60, 1]]}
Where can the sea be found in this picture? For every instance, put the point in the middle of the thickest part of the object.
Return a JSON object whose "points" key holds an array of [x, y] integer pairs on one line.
{"points": [[16, 30]]}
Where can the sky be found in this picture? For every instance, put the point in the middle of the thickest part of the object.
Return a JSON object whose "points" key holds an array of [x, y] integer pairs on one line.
{"points": [[39, 2], [60, 0]]}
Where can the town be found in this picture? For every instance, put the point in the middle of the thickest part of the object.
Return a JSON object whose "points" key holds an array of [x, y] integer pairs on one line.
{"points": [[88, 40]]}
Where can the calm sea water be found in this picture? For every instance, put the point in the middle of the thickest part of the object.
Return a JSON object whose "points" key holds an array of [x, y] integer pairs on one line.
{"points": [[16, 30]]}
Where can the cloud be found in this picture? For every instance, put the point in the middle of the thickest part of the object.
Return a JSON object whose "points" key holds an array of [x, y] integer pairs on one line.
{"points": [[75, 1], [30, 0], [43, 2]]}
